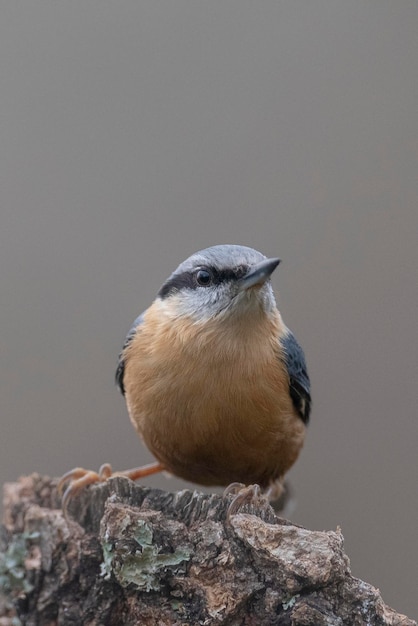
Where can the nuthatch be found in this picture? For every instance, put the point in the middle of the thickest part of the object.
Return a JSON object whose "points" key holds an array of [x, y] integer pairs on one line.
{"points": [[215, 383]]}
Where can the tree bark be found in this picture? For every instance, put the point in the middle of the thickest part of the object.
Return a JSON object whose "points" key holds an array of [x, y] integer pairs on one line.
{"points": [[130, 555]]}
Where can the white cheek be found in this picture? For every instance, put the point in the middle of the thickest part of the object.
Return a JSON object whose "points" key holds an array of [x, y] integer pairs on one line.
{"points": [[199, 304], [202, 304]]}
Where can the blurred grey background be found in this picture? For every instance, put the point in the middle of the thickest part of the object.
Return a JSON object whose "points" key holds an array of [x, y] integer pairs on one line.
{"points": [[133, 134]]}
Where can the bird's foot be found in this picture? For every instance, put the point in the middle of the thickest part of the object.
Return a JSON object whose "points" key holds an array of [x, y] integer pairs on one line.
{"points": [[244, 494], [233, 489], [76, 479], [275, 490]]}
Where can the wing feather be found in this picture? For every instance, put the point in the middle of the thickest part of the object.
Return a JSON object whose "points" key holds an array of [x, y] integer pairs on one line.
{"points": [[120, 370], [299, 384]]}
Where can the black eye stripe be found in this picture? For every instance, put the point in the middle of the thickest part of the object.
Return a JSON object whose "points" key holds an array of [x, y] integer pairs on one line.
{"points": [[177, 283], [233, 274], [187, 280]]}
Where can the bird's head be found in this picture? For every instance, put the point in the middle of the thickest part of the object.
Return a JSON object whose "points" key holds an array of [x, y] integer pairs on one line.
{"points": [[220, 281]]}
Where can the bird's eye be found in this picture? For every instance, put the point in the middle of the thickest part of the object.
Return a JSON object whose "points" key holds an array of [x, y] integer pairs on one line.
{"points": [[203, 277]]}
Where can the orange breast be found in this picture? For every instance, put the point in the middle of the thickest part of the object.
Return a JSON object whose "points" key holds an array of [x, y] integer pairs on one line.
{"points": [[211, 401]]}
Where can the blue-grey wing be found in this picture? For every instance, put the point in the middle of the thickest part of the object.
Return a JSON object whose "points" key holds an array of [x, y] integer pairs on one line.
{"points": [[299, 384], [120, 370]]}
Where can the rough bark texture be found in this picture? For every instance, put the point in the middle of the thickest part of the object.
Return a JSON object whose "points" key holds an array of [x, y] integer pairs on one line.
{"points": [[133, 555]]}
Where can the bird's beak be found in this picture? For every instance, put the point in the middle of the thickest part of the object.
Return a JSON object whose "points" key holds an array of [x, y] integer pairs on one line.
{"points": [[258, 274]]}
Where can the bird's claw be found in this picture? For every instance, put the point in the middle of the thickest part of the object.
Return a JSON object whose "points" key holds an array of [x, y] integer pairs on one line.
{"points": [[78, 478], [74, 481], [251, 494]]}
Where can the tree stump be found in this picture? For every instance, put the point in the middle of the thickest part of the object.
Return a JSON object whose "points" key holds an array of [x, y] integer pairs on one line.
{"points": [[131, 555]]}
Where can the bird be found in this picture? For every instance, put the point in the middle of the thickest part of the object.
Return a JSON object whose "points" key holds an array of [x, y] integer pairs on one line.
{"points": [[215, 383]]}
